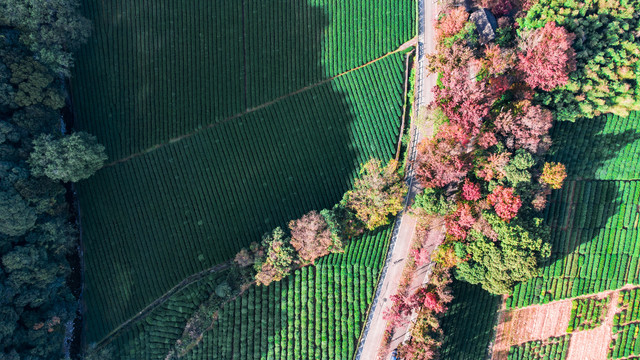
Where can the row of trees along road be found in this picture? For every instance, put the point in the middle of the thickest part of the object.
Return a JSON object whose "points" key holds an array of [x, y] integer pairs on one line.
{"points": [[37, 40]]}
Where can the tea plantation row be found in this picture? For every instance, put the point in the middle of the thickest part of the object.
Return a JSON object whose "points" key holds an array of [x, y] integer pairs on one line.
{"points": [[317, 312]]}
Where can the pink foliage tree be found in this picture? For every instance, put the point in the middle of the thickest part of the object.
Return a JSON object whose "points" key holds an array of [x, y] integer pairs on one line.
{"points": [[505, 202], [498, 60], [464, 101], [441, 161], [311, 237], [399, 311], [422, 256], [459, 223], [451, 23], [499, 85], [548, 57], [493, 166], [487, 139], [527, 128], [501, 7], [470, 191]]}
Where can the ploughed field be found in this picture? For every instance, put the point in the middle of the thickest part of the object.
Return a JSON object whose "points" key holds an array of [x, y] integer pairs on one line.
{"points": [[223, 120]]}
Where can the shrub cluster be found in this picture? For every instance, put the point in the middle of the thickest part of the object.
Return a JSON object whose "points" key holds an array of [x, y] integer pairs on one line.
{"points": [[377, 195]]}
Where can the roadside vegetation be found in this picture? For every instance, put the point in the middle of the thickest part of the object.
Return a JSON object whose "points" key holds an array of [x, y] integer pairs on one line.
{"points": [[491, 167]]}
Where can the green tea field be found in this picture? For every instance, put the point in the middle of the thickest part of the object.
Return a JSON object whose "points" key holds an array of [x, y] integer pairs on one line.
{"points": [[595, 215], [279, 321], [596, 251], [223, 120], [469, 323]]}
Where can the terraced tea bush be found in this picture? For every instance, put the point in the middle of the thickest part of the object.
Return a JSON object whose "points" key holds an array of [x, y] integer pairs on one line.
{"points": [[594, 217], [595, 245], [153, 220], [629, 305], [552, 348], [625, 342], [587, 313], [603, 148], [323, 304], [153, 71], [469, 323]]}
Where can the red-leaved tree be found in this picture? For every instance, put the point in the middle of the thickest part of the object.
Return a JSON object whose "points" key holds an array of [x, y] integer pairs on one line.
{"points": [[547, 57], [505, 202], [470, 191], [423, 297]]}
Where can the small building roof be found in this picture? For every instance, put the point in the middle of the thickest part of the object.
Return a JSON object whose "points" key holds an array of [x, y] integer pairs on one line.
{"points": [[485, 23]]}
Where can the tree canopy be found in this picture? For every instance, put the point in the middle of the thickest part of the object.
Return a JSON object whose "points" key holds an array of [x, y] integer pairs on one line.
{"points": [[499, 265], [36, 235], [376, 194], [70, 158], [607, 52]]}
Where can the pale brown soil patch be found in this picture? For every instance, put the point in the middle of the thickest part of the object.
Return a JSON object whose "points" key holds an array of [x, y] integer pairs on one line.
{"points": [[593, 344], [539, 322], [535, 322]]}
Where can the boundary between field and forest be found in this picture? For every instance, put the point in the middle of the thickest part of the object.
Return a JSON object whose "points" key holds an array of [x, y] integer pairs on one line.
{"points": [[401, 48]]}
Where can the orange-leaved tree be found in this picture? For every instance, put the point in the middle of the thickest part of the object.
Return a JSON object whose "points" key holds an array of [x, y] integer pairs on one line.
{"points": [[376, 194]]}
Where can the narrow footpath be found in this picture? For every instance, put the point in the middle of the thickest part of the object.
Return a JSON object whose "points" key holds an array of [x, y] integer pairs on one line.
{"points": [[405, 223]]}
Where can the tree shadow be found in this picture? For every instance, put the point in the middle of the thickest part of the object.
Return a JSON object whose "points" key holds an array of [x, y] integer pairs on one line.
{"points": [[586, 147], [160, 70], [589, 147], [195, 202], [469, 324], [589, 214]]}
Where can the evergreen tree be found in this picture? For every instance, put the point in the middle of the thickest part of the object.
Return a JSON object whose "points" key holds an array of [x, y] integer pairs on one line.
{"points": [[71, 158]]}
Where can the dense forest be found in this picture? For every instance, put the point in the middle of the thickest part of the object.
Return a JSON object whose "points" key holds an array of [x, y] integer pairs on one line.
{"points": [[38, 159]]}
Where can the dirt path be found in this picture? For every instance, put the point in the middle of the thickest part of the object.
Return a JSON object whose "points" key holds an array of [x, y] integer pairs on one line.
{"points": [[539, 322], [593, 344], [536, 322], [159, 301], [204, 127]]}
